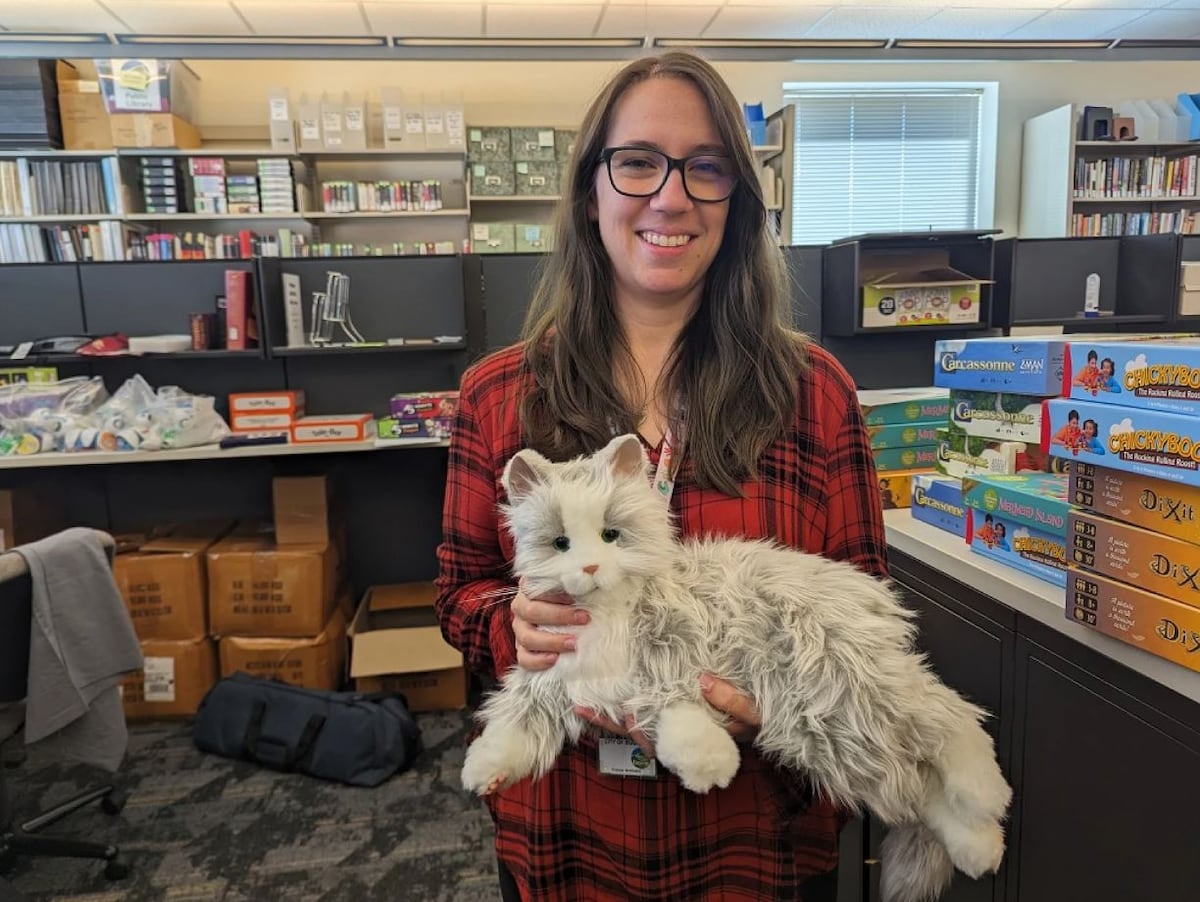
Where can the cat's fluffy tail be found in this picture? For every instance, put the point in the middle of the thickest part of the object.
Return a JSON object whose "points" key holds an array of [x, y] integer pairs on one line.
{"points": [[915, 865]]}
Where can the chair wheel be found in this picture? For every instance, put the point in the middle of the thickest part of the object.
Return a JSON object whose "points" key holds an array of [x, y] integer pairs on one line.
{"points": [[116, 870], [114, 802]]}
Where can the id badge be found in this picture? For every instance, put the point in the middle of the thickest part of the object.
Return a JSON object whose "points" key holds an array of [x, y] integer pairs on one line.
{"points": [[623, 758]]}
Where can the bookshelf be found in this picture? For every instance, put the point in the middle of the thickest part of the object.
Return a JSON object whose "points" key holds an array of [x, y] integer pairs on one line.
{"points": [[1073, 188]]}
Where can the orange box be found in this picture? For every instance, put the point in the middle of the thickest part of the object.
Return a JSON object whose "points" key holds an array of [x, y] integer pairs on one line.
{"points": [[176, 677], [396, 646], [1168, 508], [162, 579], [290, 402], [354, 427], [1153, 562], [258, 588], [1136, 617], [316, 663]]}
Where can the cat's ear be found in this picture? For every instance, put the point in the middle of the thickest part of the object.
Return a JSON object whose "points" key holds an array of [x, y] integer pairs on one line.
{"points": [[522, 473], [626, 456]]}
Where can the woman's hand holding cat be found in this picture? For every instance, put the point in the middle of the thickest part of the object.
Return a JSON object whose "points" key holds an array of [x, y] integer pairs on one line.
{"points": [[538, 649], [740, 707]]}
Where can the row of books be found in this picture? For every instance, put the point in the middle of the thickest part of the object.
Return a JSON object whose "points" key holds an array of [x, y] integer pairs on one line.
{"points": [[1182, 222], [29, 243], [53, 188], [1148, 177], [201, 246]]}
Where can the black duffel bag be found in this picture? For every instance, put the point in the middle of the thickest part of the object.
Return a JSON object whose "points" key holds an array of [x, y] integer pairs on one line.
{"points": [[344, 736]]}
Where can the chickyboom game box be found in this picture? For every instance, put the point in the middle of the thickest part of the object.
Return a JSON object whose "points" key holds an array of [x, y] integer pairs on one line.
{"points": [[1020, 521], [1150, 442], [1157, 374]]}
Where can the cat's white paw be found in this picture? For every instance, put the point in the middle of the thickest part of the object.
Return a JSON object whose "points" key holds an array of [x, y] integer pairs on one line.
{"points": [[696, 749], [975, 849], [495, 760]]}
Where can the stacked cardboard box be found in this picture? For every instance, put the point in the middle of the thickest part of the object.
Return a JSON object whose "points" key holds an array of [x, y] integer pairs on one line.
{"points": [[162, 577], [420, 415], [273, 598], [1020, 521], [266, 411]]}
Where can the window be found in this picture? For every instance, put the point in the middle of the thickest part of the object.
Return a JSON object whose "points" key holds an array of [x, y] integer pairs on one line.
{"points": [[890, 158]]}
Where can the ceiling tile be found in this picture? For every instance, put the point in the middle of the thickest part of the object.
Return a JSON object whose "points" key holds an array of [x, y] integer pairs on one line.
{"points": [[652, 4], [542, 21], [1075, 24], [178, 17], [58, 15], [673, 22], [968, 6], [764, 22], [868, 22], [425, 20], [971, 24], [1186, 4], [1114, 4], [280, 17], [1166, 23]]}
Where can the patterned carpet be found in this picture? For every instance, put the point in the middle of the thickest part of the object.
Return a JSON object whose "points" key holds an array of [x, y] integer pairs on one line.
{"points": [[200, 828]]}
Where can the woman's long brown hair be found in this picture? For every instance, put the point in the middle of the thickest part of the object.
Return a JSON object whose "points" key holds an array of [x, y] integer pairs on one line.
{"points": [[736, 363]]}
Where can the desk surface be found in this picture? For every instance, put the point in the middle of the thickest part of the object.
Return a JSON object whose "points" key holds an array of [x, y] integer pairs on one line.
{"points": [[1027, 595]]}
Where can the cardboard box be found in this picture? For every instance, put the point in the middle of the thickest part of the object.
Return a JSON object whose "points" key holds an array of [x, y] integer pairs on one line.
{"points": [[147, 86], [1163, 507], [256, 588], [936, 296], [28, 514], [888, 406], [396, 646], [316, 663], [489, 145], [289, 402], [997, 415], [938, 501], [494, 179], [1142, 619], [1189, 286], [1023, 366], [176, 676], [536, 179], [905, 435], [424, 404], [81, 110], [533, 238], [302, 510], [351, 427], [1152, 373], [493, 238], [1153, 562], [152, 130], [1150, 442], [414, 427], [163, 579], [532, 144]]}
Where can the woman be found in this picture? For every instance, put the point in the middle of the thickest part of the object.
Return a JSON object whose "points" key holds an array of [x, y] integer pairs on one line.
{"points": [[660, 311]]}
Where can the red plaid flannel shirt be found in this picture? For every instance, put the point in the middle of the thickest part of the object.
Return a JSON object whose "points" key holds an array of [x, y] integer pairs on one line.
{"points": [[577, 834]]}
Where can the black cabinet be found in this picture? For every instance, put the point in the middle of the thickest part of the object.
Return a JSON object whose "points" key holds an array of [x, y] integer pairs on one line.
{"points": [[1109, 788]]}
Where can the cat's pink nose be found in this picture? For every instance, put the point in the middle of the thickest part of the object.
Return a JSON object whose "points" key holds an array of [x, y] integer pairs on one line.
{"points": [[591, 568]]}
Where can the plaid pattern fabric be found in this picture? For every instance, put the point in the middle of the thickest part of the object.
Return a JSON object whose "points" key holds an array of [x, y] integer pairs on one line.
{"points": [[577, 834]]}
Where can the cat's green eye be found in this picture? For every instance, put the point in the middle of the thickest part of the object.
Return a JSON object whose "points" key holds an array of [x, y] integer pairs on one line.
{"points": [[562, 543], [610, 535]]}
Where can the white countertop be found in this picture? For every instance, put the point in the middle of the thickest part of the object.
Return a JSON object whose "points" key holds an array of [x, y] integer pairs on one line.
{"points": [[208, 452], [1032, 597]]}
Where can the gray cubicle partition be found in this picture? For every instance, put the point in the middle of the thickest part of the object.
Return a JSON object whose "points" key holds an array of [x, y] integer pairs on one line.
{"points": [[39, 300], [152, 297]]}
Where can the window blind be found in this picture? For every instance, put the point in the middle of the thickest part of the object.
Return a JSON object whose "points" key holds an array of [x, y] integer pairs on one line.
{"points": [[884, 160]]}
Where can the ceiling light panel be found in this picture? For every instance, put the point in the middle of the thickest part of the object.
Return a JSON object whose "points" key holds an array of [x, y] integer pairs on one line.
{"points": [[442, 20], [1070, 24], [677, 21], [968, 24], [299, 17], [526, 21], [764, 22], [178, 17], [57, 15], [873, 22]]}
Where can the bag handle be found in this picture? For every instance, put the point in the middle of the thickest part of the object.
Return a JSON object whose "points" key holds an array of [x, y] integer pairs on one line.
{"points": [[257, 747]]}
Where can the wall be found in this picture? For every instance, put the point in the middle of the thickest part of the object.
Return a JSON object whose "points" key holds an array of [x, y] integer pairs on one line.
{"points": [[233, 93]]}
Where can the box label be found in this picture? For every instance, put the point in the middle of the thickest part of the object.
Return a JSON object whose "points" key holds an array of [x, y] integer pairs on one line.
{"points": [[159, 679]]}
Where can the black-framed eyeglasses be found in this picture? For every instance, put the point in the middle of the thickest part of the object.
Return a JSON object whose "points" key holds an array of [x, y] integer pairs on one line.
{"points": [[641, 172]]}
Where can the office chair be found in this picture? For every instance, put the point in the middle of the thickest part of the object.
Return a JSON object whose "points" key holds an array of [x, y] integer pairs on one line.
{"points": [[27, 839]]}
